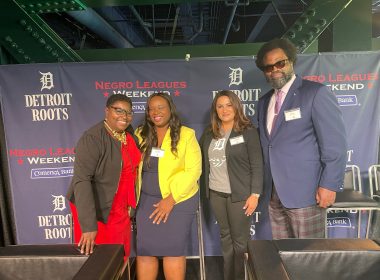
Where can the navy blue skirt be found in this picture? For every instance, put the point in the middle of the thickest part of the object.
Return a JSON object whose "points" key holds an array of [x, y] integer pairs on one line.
{"points": [[166, 239]]}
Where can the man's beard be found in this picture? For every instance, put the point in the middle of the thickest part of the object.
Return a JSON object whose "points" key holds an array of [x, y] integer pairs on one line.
{"points": [[278, 83]]}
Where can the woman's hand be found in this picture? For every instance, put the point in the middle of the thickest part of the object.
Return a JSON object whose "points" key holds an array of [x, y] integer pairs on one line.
{"points": [[87, 242], [163, 209], [251, 204]]}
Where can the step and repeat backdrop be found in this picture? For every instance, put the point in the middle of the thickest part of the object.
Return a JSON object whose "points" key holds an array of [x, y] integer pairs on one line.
{"points": [[46, 108]]}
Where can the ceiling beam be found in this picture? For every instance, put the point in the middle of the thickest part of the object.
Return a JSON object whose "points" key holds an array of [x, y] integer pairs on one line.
{"points": [[314, 21], [101, 27], [102, 3], [28, 38]]}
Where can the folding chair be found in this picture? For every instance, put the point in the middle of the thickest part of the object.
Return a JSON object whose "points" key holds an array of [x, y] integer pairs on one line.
{"points": [[124, 272], [202, 269], [352, 197], [374, 180], [374, 185]]}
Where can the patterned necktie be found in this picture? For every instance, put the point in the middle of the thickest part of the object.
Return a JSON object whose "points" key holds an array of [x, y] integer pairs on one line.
{"points": [[277, 107]]}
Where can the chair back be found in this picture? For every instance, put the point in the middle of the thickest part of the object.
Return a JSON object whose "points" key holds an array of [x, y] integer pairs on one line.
{"points": [[374, 180], [352, 178], [313, 259]]}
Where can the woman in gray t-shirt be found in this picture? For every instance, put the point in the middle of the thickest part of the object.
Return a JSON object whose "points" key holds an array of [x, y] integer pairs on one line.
{"points": [[232, 177]]}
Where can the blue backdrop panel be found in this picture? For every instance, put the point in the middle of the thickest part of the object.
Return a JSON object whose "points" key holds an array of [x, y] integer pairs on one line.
{"points": [[46, 108]]}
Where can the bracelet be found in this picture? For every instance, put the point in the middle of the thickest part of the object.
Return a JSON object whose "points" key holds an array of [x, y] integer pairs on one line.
{"points": [[256, 194]]}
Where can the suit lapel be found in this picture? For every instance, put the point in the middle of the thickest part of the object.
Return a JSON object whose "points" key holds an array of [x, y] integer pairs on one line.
{"points": [[265, 112]]}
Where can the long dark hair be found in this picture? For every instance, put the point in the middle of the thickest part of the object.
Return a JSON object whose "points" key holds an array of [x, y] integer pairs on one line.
{"points": [[241, 122], [149, 134]]}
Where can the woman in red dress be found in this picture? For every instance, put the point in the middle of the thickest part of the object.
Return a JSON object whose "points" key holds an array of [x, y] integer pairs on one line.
{"points": [[102, 189]]}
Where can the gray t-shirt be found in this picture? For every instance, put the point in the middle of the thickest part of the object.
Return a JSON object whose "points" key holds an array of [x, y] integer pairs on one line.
{"points": [[218, 178]]}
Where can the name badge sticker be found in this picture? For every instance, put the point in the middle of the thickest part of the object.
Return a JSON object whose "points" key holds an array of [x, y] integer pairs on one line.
{"points": [[157, 152], [237, 140], [293, 114]]}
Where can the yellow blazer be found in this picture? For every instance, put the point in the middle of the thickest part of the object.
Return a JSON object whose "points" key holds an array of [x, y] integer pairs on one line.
{"points": [[177, 175]]}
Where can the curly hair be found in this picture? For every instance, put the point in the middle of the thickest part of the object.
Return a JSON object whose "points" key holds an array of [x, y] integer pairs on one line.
{"points": [[241, 122], [287, 46], [116, 98], [148, 131]]}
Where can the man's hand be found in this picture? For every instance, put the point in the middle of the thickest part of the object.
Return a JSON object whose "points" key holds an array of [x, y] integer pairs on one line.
{"points": [[87, 242], [251, 204], [325, 197], [163, 209]]}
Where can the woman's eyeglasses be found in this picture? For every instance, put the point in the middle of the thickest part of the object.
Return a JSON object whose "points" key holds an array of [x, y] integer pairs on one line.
{"points": [[121, 112], [270, 67]]}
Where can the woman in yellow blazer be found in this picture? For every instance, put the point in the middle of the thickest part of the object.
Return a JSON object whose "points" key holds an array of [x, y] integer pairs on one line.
{"points": [[167, 189]]}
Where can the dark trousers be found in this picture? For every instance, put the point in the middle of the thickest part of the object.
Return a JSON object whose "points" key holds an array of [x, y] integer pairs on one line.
{"points": [[234, 233]]}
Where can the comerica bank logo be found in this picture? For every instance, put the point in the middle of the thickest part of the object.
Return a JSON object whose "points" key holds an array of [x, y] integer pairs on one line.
{"points": [[347, 100], [43, 173], [342, 222]]}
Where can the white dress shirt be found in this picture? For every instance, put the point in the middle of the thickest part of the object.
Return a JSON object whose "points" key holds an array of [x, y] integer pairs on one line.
{"points": [[272, 102]]}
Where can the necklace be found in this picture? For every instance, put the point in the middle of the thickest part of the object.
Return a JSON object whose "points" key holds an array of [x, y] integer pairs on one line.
{"points": [[121, 136]]}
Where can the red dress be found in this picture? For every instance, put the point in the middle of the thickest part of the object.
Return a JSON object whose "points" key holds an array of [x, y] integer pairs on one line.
{"points": [[117, 230]]}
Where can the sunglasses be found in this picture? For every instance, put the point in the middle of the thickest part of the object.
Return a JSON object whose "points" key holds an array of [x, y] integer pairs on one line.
{"points": [[270, 67], [121, 112]]}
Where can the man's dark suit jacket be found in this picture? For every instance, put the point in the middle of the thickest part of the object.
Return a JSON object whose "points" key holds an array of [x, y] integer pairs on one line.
{"points": [[304, 153]]}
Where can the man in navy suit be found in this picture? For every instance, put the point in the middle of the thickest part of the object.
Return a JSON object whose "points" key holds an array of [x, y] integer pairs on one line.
{"points": [[304, 145]]}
